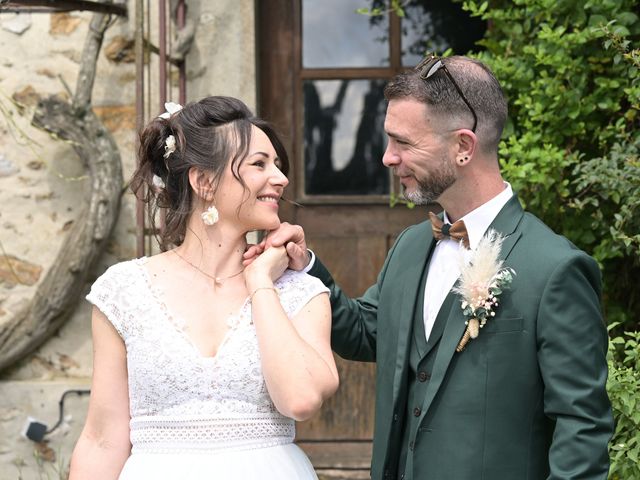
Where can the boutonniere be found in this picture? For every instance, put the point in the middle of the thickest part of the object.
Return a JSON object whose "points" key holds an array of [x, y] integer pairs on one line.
{"points": [[482, 281]]}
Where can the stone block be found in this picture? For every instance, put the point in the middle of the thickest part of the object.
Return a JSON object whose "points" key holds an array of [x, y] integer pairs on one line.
{"points": [[14, 271], [120, 50], [17, 23], [63, 23], [117, 117]]}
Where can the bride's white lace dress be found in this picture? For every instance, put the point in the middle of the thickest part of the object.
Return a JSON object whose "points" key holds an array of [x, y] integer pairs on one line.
{"points": [[195, 417]]}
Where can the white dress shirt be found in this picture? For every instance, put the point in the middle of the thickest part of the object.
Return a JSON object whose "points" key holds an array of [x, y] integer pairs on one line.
{"points": [[444, 268]]}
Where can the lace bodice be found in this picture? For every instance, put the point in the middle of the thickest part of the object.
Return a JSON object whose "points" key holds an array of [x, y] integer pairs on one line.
{"points": [[170, 381]]}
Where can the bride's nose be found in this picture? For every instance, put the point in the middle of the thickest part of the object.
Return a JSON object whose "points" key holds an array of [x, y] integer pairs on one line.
{"points": [[278, 178]]}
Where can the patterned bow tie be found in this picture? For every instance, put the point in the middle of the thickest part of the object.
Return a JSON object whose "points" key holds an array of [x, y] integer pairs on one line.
{"points": [[441, 230]]}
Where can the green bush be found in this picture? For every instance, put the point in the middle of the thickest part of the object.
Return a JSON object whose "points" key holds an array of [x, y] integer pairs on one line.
{"points": [[572, 151], [623, 387], [608, 194], [571, 146]]}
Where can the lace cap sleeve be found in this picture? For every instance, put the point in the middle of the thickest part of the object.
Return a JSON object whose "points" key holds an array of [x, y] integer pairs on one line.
{"points": [[296, 289], [108, 294]]}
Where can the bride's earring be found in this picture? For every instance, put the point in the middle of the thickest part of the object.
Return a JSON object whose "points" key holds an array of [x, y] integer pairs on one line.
{"points": [[210, 216]]}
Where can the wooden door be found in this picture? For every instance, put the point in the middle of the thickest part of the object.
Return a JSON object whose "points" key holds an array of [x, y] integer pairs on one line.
{"points": [[325, 97]]}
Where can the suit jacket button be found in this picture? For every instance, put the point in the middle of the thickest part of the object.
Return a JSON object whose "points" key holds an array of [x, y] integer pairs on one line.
{"points": [[423, 376], [417, 411], [395, 417], [411, 445]]}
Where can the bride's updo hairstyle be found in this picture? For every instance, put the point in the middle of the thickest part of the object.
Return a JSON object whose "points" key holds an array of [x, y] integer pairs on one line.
{"points": [[208, 135]]}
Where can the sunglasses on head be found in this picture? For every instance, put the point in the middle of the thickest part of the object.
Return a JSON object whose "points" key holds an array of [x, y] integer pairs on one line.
{"points": [[429, 66]]}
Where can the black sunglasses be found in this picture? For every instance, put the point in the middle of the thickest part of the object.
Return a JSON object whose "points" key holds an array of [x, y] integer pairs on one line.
{"points": [[429, 66]]}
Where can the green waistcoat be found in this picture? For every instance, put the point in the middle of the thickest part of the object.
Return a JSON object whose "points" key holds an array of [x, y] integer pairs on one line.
{"points": [[422, 354]]}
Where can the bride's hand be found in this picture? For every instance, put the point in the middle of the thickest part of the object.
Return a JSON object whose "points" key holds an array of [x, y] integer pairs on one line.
{"points": [[291, 237], [266, 268]]}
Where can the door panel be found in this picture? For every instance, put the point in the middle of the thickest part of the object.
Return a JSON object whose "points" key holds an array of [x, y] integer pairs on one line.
{"points": [[329, 109]]}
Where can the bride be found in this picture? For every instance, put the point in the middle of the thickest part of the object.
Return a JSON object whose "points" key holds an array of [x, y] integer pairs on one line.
{"points": [[201, 365]]}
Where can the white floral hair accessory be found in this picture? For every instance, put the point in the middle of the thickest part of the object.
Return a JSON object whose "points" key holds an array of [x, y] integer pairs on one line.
{"points": [[157, 182], [482, 281], [169, 146], [170, 108], [210, 216]]}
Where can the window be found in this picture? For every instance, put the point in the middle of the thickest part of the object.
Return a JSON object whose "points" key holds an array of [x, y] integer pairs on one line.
{"points": [[341, 63], [346, 59]]}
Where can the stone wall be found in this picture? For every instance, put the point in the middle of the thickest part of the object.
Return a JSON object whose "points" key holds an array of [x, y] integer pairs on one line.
{"points": [[42, 184]]}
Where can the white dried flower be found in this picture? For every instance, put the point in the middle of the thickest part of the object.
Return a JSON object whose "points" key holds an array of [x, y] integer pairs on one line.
{"points": [[169, 146], [210, 216], [158, 182], [170, 108]]}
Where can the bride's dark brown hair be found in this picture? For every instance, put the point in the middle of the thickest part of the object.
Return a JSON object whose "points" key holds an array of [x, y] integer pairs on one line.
{"points": [[208, 135]]}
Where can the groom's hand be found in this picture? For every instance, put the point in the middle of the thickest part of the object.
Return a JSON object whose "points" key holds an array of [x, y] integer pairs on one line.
{"points": [[292, 237]]}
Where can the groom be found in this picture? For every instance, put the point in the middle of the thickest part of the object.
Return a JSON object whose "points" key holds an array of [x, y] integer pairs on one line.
{"points": [[526, 398]]}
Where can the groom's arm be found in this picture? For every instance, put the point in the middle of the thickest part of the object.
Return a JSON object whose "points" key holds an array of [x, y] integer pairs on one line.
{"points": [[353, 321], [572, 351]]}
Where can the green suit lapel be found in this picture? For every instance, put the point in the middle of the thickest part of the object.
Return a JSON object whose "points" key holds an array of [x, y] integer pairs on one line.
{"points": [[505, 223], [416, 263], [439, 324]]}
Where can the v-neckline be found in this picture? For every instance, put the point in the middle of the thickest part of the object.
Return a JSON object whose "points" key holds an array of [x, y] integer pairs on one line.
{"points": [[178, 323]]}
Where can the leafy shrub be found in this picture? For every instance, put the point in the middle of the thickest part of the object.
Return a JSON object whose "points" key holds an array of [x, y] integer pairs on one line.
{"points": [[623, 387], [571, 150], [571, 146]]}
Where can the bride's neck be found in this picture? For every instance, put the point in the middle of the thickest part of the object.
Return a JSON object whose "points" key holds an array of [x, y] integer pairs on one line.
{"points": [[213, 249]]}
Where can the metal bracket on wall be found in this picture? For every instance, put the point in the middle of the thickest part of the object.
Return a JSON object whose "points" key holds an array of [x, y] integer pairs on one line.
{"points": [[53, 6]]}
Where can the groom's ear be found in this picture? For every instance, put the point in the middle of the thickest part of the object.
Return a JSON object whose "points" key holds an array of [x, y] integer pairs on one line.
{"points": [[466, 143]]}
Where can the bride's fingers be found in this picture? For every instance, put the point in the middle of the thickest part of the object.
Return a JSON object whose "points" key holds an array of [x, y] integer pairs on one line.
{"points": [[252, 251], [246, 263]]}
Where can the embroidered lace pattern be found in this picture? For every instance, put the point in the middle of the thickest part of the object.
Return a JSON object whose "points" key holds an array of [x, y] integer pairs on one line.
{"points": [[160, 434], [179, 399]]}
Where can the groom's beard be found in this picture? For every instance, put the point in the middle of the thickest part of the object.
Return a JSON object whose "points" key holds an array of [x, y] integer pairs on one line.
{"points": [[429, 189]]}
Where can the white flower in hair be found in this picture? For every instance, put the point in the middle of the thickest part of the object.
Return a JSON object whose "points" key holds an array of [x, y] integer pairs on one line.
{"points": [[210, 215], [170, 108], [157, 182], [169, 146]]}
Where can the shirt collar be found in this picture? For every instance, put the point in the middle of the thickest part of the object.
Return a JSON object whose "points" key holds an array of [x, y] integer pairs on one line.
{"points": [[477, 221]]}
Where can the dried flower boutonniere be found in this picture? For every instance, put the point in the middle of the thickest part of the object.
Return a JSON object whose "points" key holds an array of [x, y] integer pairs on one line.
{"points": [[482, 281]]}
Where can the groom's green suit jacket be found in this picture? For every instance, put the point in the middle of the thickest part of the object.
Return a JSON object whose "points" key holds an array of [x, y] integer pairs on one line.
{"points": [[526, 400]]}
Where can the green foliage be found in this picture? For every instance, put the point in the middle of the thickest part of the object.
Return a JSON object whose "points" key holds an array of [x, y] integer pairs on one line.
{"points": [[570, 149], [613, 181], [608, 198], [623, 387], [395, 199], [382, 7]]}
